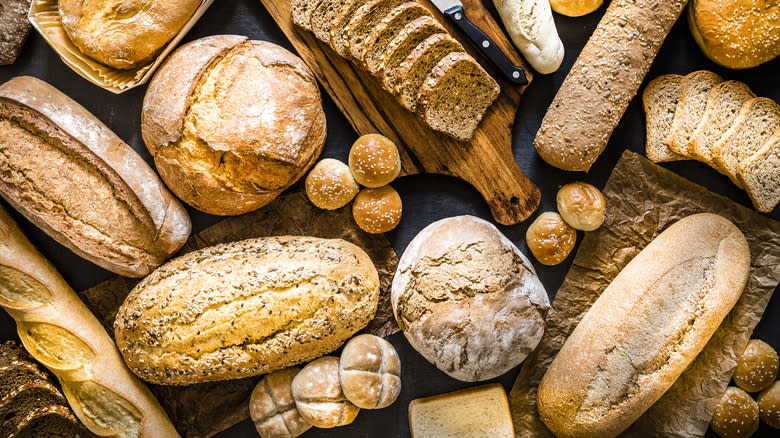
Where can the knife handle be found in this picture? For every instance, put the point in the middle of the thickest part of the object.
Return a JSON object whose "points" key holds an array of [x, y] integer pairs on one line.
{"points": [[486, 45]]}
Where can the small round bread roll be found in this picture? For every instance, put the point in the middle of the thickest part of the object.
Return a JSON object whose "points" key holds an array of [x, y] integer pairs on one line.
{"points": [[370, 372], [377, 210], [272, 407], [550, 239], [736, 414], [757, 367], [318, 395], [330, 185], [575, 8], [374, 160], [769, 405], [581, 205]]}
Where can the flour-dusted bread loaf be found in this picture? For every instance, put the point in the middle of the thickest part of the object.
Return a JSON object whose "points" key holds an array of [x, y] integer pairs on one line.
{"points": [[603, 80], [760, 175], [124, 33], [647, 326], [246, 308], [387, 29], [531, 26], [402, 45], [82, 185], [416, 67], [364, 21], [691, 102], [660, 102], [468, 300]]}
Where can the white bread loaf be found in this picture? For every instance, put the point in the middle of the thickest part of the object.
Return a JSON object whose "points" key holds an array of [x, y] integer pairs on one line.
{"points": [[647, 326], [531, 26]]}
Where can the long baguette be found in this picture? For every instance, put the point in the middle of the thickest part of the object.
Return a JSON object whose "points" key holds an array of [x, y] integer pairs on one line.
{"points": [[603, 80], [60, 332]]}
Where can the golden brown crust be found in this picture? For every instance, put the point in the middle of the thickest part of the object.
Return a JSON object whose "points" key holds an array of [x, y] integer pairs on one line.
{"points": [[736, 415], [330, 185], [550, 238], [377, 210], [769, 405], [757, 367], [374, 160], [581, 205], [318, 395], [370, 372]]}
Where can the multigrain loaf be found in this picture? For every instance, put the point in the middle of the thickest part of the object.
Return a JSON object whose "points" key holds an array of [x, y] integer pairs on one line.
{"points": [[386, 30], [124, 33], [645, 328], [54, 421], [231, 122], [760, 175], [455, 95], [246, 308], [416, 67], [606, 76], [364, 21], [71, 176], [402, 45], [14, 26], [660, 103], [301, 11], [338, 26], [323, 16], [723, 104], [691, 103]]}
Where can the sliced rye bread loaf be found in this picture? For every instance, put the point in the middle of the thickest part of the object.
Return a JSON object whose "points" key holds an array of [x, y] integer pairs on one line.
{"points": [[691, 103], [758, 119], [416, 67], [301, 12], [660, 102], [25, 398], [723, 105], [338, 27], [760, 174], [19, 372], [323, 16], [50, 422], [384, 32], [455, 95], [364, 21], [402, 45]]}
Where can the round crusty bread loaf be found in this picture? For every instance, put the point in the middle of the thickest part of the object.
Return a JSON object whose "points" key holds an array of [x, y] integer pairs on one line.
{"points": [[468, 300], [231, 123], [728, 31], [124, 34]]}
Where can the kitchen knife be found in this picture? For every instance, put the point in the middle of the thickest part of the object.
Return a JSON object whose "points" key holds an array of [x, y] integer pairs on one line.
{"points": [[454, 9]]}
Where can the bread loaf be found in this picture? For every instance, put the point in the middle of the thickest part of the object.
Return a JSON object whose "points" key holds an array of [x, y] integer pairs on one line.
{"points": [[76, 180], [603, 80], [646, 327], [60, 332], [531, 26], [14, 26], [246, 308]]}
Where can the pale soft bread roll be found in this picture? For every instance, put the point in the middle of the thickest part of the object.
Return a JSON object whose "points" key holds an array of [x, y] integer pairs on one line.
{"points": [[60, 332], [646, 327], [272, 407], [370, 372], [318, 395], [531, 26]]}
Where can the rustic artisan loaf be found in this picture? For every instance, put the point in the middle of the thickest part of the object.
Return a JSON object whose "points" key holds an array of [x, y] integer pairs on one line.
{"points": [[71, 176], [691, 103], [124, 33], [660, 103], [246, 308], [723, 104], [60, 332], [14, 27], [318, 395], [272, 407], [603, 80], [760, 175], [468, 300], [387, 29], [416, 67], [532, 28], [364, 21], [370, 372], [402, 45], [645, 328], [231, 122]]}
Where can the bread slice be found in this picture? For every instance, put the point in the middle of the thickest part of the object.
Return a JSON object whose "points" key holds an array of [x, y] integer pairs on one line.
{"points": [[364, 21], [387, 29], [691, 103], [660, 102], [323, 16], [723, 105], [416, 67], [757, 120], [470, 413], [760, 175], [53, 421], [455, 96], [26, 398], [338, 28], [301, 12], [402, 45]]}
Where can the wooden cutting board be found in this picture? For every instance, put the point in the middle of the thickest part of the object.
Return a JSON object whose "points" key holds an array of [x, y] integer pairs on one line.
{"points": [[486, 162]]}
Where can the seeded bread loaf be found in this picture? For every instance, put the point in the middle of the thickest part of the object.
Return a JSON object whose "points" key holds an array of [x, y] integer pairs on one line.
{"points": [[338, 26], [14, 26], [364, 21], [691, 103], [416, 67], [723, 104], [386, 30], [760, 175], [660, 102], [322, 17], [246, 308], [402, 45], [301, 11]]}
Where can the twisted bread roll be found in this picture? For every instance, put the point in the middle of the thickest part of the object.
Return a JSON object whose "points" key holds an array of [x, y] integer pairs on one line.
{"points": [[60, 332]]}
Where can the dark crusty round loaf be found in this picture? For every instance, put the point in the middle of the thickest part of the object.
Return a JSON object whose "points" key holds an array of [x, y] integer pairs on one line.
{"points": [[387, 29], [364, 21], [403, 44], [416, 67]]}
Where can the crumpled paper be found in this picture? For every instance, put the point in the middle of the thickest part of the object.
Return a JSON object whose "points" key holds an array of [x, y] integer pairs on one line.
{"points": [[643, 199], [202, 410]]}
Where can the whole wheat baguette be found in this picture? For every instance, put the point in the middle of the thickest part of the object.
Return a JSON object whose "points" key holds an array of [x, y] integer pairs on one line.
{"points": [[60, 332], [603, 80]]}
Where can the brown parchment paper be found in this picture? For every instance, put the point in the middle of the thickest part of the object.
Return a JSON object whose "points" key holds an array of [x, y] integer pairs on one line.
{"points": [[202, 410], [642, 200]]}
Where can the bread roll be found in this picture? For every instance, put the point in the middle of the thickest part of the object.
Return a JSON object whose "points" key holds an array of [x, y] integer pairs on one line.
{"points": [[575, 8], [318, 395], [531, 26], [231, 123], [645, 328], [60, 332], [581, 205], [736, 414], [377, 210], [272, 408], [757, 367], [330, 185], [374, 160], [468, 300], [550, 238], [769, 405], [246, 308], [370, 372], [67, 173]]}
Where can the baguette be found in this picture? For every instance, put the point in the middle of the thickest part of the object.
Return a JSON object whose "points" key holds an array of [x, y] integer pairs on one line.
{"points": [[603, 80], [60, 332], [647, 326]]}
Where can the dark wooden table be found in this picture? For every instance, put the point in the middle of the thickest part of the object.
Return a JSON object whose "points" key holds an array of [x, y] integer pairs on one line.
{"points": [[426, 198]]}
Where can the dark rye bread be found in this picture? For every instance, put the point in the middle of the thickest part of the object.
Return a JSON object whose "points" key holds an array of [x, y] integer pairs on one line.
{"points": [[19, 372], [760, 174], [364, 21], [455, 95], [387, 29], [14, 27], [416, 67], [322, 17], [723, 105], [402, 45], [660, 102], [301, 12], [53, 421], [338, 27], [23, 399]]}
